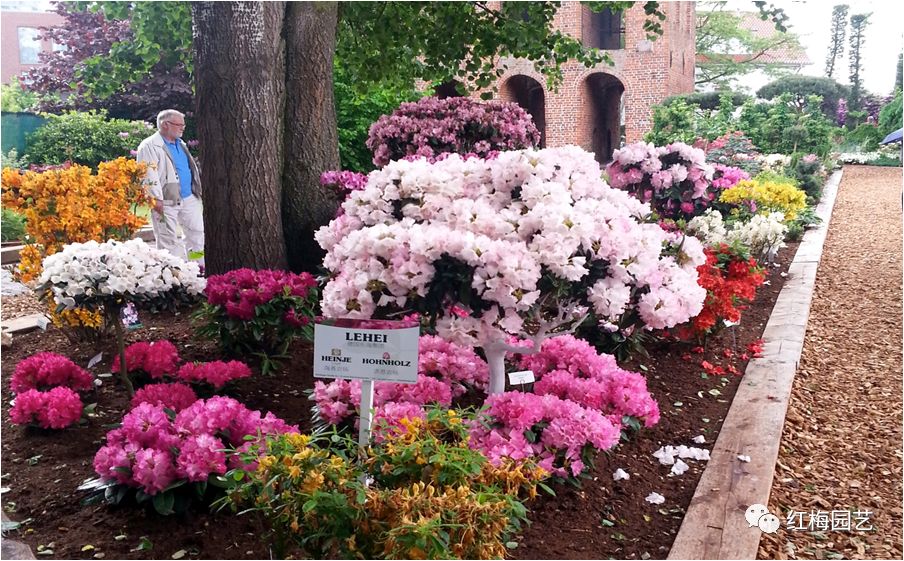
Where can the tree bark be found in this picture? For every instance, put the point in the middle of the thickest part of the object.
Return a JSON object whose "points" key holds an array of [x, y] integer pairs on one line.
{"points": [[240, 95], [311, 139]]}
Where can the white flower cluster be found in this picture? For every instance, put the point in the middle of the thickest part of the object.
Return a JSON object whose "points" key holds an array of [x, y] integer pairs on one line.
{"points": [[858, 157], [90, 271], [511, 219], [774, 162], [764, 234]]}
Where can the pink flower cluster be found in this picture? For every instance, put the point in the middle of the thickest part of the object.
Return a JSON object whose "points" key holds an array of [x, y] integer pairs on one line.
{"points": [[570, 368], [727, 177], [674, 179], [42, 371], [388, 418], [445, 370], [54, 409], [216, 373], [151, 452], [559, 434], [173, 396], [241, 291], [430, 127], [157, 359], [344, 182]]}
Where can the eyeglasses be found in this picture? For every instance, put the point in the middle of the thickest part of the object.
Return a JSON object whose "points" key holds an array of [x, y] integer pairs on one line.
{"points": [[180, 125]]}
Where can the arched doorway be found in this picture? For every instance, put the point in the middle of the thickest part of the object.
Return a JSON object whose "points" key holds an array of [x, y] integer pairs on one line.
{"points": [[602, 114], [527, 93]]}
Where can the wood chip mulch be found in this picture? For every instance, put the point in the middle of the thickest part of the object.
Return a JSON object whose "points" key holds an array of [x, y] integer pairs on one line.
{"points": [[842, 442], [22, 305]]}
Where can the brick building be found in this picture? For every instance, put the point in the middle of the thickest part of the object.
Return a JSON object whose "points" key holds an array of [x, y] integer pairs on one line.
{"points": [[21, 24], [596, 108]]}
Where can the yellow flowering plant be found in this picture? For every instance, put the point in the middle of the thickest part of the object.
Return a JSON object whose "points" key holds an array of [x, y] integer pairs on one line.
{"points": [[70, 204], [419, 492], [763, 197]]}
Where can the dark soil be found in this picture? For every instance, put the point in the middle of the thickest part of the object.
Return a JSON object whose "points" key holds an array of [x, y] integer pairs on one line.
{"points": [[43, 468]]}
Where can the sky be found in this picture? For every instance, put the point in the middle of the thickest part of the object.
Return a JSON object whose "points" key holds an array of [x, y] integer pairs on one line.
{"points": [[884, 40]]}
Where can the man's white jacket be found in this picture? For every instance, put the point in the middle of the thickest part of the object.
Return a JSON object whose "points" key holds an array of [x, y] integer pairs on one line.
{"points": [[162, 179]]}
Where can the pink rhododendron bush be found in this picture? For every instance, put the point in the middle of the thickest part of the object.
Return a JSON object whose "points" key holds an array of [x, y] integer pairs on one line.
{"points": [[157, 454], [525, 244], [674, 179], [579, 405], [160, 359], [46, 387], [431, 126]]}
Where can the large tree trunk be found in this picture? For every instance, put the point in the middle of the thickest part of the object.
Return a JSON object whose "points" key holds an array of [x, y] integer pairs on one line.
{"points": [[311, 139], [240, 94]]}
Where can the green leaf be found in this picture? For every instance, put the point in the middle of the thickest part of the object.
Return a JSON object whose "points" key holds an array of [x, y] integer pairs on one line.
{"points": [[163, 503]]}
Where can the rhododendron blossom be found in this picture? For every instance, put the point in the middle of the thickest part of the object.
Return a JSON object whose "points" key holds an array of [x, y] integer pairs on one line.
{"points": [[172, 396], [498, 238], [57, 408], [150, 451], [557, 433], [674, 179], [157, 359], [43, 371], [217, 373], [432, 127]]}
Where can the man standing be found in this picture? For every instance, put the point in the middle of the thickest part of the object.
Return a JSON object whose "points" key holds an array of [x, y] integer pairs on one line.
{"points": [[174, 184]]}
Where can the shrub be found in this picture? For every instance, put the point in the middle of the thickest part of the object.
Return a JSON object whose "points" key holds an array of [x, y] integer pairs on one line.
{"points": [[866, 137], [357, 110], [85, 138], [782, 126], [728, 176], [764, 197], [673, 122], [57, 408], [155, 359], [13, 226], [802, 87], [175, 396], [810, 175], [430, 495], [74, 205], [217, 373], [761, 236], [675, 179], [708, 100], [105, 277], [890, 116], [168, 460], [730, 277], [431, 127], [43, 371], [259, 312], [485, 249], [15, 98], [12, 160], [736, 150]]}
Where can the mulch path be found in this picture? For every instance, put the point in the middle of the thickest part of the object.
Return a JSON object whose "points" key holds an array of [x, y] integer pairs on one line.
{"points": [[841, 446], [598, 519]]}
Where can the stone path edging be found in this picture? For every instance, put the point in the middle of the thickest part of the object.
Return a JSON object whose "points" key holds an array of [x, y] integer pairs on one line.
{"points": [[714, 526]]}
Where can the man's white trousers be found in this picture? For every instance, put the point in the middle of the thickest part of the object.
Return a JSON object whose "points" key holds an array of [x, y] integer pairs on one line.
{"points": [[188, 214]]}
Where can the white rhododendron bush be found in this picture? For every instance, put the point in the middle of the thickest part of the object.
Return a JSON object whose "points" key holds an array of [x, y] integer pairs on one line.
{"points": [[525, 244]]}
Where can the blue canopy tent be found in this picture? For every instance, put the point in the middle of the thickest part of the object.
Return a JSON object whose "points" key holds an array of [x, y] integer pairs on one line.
{"points": [[892, 137]]}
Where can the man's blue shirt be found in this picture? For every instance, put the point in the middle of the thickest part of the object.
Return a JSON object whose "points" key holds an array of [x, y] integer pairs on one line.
{"points": [[180, 159]]}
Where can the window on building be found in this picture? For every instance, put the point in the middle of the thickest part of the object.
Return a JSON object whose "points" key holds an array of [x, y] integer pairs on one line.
{"points": [[605, 30], [59, 47], [29, 45]]}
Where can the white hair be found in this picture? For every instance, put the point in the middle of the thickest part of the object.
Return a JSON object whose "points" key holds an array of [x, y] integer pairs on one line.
{"points": [[164, 116]]}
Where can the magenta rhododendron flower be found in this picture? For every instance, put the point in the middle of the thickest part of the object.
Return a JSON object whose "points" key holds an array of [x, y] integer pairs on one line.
{"points": [[173, 396], [157, 359], [43, 371], [151, 451], [55, 409], [217, 373]]}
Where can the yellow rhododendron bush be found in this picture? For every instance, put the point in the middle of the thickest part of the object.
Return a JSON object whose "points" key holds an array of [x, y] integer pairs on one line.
{"points": [[71, 204]]}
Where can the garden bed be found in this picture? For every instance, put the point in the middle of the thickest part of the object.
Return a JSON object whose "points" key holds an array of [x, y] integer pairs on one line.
{"points": [[598, 520]]}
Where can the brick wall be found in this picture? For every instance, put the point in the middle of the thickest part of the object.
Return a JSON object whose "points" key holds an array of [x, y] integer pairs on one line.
{"points": [[10, 63], [647, 71]]}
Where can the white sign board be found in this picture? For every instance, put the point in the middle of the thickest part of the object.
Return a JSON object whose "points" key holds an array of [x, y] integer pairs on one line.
{"points": [[366, 354], [521, 377]]}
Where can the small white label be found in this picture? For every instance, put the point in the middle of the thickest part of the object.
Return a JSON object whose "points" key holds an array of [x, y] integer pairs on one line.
{"points": [[95, 359], [521, 377], [42, 322]]}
